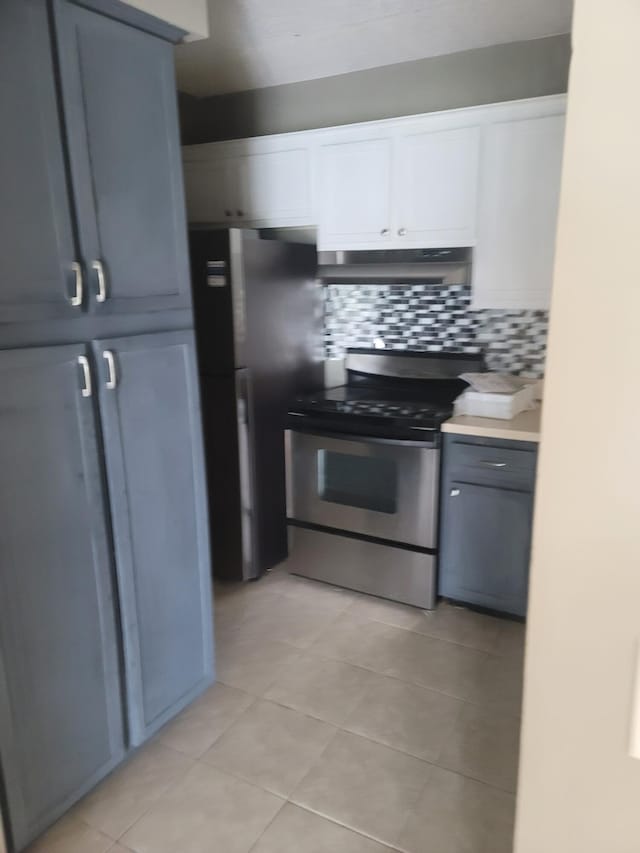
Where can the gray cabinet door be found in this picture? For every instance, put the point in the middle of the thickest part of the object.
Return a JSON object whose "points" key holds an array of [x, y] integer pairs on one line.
{"points": [[60, 696], [119, 96], [153, 448], [36, 276], [486, 536]]}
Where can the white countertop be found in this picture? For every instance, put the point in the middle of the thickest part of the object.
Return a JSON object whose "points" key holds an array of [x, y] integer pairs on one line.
{"points": [[524, 427]]}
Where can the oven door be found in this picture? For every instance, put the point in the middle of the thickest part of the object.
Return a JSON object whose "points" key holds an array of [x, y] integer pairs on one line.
{"points": [[376, 487]]}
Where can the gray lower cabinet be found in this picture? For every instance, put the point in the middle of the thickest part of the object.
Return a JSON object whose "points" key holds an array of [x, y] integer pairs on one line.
{"points": [[61, 725], [150, 411], [486, 517]]}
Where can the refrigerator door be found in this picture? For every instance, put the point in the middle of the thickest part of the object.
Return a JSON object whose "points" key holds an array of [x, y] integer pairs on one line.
{"points": [[213, 300], [278, 316], [259, 328], [226, 417], [280, 343]]}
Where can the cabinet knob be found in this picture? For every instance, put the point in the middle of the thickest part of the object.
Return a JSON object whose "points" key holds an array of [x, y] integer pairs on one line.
{"points": [[402, 232], [227, 213], [454, 493], [384, 232], [239, 212]]}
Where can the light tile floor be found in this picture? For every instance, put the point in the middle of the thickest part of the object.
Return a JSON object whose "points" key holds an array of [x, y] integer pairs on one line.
{"points": [[339, 723]]}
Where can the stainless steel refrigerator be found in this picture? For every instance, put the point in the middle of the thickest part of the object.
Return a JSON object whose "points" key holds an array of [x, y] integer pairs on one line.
{"points": [[258, 321]]}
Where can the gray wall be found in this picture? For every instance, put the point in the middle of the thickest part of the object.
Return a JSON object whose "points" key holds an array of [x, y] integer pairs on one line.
{"points": [[485, 75], [191, 110]]}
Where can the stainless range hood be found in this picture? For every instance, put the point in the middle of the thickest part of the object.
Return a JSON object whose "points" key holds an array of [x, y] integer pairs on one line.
{"points": [[432, 266]]}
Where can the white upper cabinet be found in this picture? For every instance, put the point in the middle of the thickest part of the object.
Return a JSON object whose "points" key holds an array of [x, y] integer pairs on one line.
{"points": [[256, 182], [436, 191], [276, 187], [412, 186], [354, 194], [518, 206], [212, 189], [486, 177]]}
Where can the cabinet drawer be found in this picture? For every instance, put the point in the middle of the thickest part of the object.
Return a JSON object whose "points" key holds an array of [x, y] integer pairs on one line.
{"points": [[497, 462]]}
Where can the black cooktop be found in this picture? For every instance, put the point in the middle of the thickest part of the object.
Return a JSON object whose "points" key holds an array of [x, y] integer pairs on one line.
{"points": [[365, 402], [393, 394]]}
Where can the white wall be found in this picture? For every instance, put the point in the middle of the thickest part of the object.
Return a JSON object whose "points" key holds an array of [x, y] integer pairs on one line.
{"points": [[189, 15], [579, 789]]}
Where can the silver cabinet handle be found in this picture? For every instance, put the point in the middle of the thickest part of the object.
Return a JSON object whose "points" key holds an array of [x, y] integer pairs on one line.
{"points": [[384, 232], [402, 232], [494, 464], [83, 361], [76, 299], [112, 379], [454, 493], [101, 295]]}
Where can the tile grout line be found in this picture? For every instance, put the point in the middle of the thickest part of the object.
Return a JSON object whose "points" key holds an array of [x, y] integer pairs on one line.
{"points": [[286, 797], [407, 681], [341, 729], [379, 621], [393, 847], [253, 846], [178, 779], [326, 657], [359, 597], [273, 819]]}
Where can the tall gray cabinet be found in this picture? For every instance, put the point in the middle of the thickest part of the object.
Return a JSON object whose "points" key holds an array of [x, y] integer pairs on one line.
{"points": [[105, 599]]}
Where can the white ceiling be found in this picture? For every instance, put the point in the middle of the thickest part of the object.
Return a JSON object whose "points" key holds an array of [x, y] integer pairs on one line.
{"points": [[257, 43]]}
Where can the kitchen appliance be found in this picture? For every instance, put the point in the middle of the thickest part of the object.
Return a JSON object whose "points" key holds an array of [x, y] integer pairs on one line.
{"points": [[363, 472], [258, 330], [435, 266]]}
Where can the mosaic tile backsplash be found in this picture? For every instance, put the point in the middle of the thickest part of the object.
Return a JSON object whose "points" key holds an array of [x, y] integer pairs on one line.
{"points": [[433, 317]]}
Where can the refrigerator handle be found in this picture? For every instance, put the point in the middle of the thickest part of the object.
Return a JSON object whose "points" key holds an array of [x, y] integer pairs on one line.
{"points": [[238, 296], [245, 464]]}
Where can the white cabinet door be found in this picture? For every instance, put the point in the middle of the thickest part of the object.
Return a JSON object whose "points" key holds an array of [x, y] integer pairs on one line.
{"points": [[212, 190], [518, 207], [276, 187], [437, 191], [354, 194]]}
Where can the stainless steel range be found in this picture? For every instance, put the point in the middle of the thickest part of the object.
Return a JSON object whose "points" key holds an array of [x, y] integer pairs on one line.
{"points": [[363, 473]]}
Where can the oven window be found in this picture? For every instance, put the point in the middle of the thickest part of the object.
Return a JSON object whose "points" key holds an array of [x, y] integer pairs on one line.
{"points": [[367, 482]]}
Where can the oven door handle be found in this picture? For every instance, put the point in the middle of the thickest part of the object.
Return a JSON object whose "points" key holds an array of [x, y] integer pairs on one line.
{"points": [[368, 439]]}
